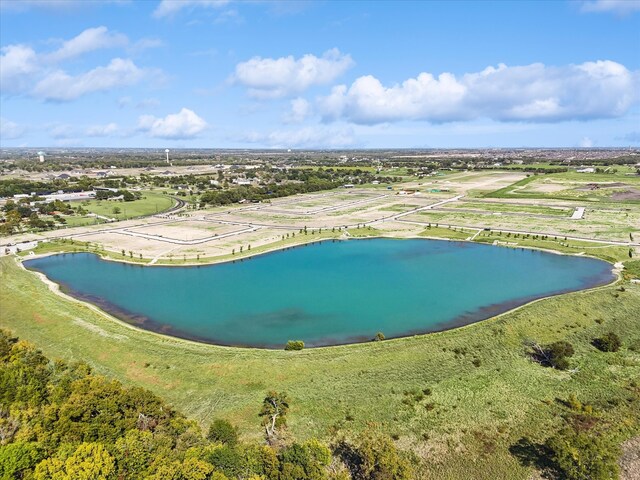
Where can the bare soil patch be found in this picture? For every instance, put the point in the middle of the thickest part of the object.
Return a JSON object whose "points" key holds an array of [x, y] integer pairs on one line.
{"points": [[628, 195], [630, 460]]}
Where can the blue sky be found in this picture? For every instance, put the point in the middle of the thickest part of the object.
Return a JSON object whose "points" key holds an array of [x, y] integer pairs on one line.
{"points": [[260, 74]]}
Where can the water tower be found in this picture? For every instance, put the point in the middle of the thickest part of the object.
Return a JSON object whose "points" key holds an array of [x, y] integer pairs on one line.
{"points": [[41, 156], [167, 152]]}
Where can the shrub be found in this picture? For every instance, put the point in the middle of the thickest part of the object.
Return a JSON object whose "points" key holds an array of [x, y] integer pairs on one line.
{"points": [[379, 337], [584, 456], [609, 342], [375, 457], [222, 431], [294, 345], [554, 355]]}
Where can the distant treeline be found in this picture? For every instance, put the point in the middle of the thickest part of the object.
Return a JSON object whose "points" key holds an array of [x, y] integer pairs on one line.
{"points": [[256, 194]]}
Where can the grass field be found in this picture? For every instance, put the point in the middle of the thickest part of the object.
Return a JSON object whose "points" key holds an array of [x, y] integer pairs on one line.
{"points": [[568, 186], [459, 399], [150, 203]]}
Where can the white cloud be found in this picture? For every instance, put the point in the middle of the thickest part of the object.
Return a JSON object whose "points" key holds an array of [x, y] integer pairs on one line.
{"points": [[10, 130], [168, 8], [586, 142], [300, 111], [633, 137], [102, 130], [38, 74], [278, 77], [60, 86], [18, 63], [182, 125], [307, 137], [145, 44], [89, 40], [147, 103], [618, 7], [124, 101], [535, 93], [62, 131]]}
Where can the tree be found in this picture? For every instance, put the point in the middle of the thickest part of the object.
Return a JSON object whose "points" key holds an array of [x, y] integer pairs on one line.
{"points": [[584, 455], [375, 457], [379, 337], [554, 355], [274, 410], [222, 431], [90, 461], [116, 210], [609, 342], [134, 453], [17, 458]]}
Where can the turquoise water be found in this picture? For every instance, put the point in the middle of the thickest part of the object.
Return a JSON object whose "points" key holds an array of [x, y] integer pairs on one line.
{"points": [[326, 293]]}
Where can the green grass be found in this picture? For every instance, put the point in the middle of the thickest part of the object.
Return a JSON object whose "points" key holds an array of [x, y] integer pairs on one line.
{"points": [[609, 253], [632, 268], [467, 422], [149, 204], [572, 181], [512, 208], [450, 233]]}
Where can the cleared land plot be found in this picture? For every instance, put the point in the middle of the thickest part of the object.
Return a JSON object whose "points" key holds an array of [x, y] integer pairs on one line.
{"points": [[188, 230], [592, 187], [511, 208], [597, 224], [322, 203]]}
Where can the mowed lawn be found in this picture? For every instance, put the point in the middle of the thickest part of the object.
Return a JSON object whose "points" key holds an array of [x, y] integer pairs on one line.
{"points": [[150, 203], [459, 399]]}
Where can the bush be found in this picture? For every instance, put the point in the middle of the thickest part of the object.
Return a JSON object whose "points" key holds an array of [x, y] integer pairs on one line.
{"points": [[609, 342], [379, 337], [584, 456], [222, 431], [375, 457], [294, 345], [554, 355]]}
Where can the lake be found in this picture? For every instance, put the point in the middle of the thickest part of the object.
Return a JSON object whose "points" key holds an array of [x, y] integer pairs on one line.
{"points": [[326, 293]]}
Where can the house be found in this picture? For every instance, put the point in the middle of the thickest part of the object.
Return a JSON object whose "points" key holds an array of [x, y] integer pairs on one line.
{"points": [[586, 170], [64, 176]]}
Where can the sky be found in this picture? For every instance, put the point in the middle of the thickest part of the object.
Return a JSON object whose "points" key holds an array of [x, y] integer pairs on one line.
{"points": [[319, 74]]}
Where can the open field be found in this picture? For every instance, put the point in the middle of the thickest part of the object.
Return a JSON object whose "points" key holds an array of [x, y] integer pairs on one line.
{"points": [[589, 187], [341, 389], [150, 203]]}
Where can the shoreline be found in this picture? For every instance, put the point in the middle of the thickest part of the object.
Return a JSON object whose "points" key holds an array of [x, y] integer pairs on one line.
{"points": [[248, 254], [57, 289]]}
